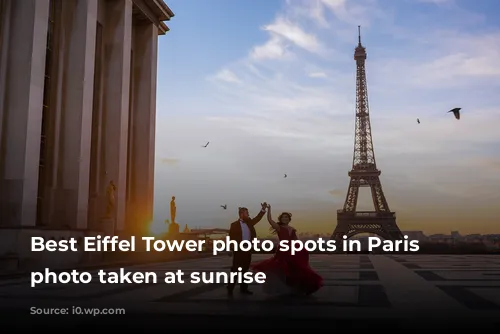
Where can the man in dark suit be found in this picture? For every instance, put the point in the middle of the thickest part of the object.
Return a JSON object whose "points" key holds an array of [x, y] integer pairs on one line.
{"points": [[243, 229]]}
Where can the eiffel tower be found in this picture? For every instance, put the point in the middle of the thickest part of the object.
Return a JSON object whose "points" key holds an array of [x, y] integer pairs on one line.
{"points": [[364, 173]]}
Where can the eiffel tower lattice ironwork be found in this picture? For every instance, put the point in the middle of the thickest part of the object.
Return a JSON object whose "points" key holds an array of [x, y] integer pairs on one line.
{"points": [[364, 173]]}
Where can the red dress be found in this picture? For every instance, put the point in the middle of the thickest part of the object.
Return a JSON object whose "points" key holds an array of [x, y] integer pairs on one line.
{"points": [[294, 269]]}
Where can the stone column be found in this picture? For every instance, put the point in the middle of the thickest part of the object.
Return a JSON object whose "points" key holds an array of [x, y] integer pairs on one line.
{"points": [[22, 111], [143, 118], [5, 10], [77, 96], [118, 42]]}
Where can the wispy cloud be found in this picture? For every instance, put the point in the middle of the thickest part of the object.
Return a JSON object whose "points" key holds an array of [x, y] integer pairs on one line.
{"points": [[448, 60], [291, 32], [337, 192], [274, 48], [284, 35], [169, 161], [331, 13], [226, 75], [437, 2], [317, 75]]}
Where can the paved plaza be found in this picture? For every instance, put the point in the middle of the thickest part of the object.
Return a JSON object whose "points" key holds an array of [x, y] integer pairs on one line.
{"points": [[356, 286]]}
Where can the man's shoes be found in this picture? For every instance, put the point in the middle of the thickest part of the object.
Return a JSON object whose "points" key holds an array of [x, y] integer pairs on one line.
{"points": [[246, 292]]}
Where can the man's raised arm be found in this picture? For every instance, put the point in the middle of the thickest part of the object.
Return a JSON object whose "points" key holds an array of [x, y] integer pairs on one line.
{"points": [[258, 218]]}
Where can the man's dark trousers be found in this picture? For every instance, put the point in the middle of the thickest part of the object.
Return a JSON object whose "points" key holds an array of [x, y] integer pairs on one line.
{"points": [[240, 260]]}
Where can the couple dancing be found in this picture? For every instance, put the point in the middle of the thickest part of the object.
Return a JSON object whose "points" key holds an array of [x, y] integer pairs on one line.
{"points": [[285, 273]]}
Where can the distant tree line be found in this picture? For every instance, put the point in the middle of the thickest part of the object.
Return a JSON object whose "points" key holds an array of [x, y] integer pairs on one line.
{"points": [[428, 248], [443, 248]]}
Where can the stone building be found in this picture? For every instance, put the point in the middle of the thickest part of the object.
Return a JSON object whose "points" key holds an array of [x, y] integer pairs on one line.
{"points": [[77, 110]]}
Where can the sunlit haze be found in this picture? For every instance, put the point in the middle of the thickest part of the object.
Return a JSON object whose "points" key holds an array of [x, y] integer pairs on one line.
{"points": [[271, 85]]}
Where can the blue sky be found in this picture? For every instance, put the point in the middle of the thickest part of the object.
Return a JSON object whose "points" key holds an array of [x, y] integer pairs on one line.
{"points": [[271, 84]]}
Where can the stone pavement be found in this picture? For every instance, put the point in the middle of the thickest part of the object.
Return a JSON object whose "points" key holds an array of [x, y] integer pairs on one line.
{"points": [[356, 286]]}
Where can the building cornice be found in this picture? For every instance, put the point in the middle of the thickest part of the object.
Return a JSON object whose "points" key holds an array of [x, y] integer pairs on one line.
{"points": [[155, 11], [166, 12]]}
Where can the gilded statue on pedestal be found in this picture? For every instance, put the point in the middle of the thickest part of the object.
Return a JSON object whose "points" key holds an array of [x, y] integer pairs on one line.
{"points": [[173, 210], [110, 197], [173, 228]]}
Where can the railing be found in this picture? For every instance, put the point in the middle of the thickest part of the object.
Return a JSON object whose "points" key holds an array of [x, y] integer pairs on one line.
{"points": [[209, 230], [368, 214]]}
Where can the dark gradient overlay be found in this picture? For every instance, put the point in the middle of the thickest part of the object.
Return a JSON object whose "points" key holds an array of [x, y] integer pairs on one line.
{"points": [[401, 292]]}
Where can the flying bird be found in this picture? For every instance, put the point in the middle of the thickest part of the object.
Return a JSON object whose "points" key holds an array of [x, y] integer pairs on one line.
{"points": [[285, 176], [418, 121], [456, 112], [206, 144], [224, 206]]}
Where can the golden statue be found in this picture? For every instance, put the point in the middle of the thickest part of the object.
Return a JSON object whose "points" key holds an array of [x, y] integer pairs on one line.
{"points": [[173, 210], [110, 197]]}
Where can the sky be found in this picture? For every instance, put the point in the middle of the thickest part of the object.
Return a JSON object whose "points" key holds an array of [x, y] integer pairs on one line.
{"points": [[271, 85]]}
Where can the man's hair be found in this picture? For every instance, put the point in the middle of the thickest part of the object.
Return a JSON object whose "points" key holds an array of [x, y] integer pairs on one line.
{"points": [[241, 210]]}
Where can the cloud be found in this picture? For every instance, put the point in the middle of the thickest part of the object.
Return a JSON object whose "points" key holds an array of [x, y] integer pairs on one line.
{"points": [[293, 111], [274, 48], [293, 33], [437, 2], [450, 60], [169, 161], [317, 75], [226, 76], [488, 163], [336, 14], [337, 192]]}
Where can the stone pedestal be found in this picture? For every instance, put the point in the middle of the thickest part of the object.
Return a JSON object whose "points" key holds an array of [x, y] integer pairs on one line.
{"points": [[108, 226], [173, 229]]}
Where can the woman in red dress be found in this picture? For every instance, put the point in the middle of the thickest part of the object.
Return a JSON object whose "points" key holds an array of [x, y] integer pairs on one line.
{"points": [[287, 273]]}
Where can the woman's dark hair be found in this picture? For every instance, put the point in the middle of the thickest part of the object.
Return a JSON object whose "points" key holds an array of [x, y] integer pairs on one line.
{"points": [[279, 222]]}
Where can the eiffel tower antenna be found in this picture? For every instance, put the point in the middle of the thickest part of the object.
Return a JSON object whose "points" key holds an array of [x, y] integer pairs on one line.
{"points": [[364, 172]]}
